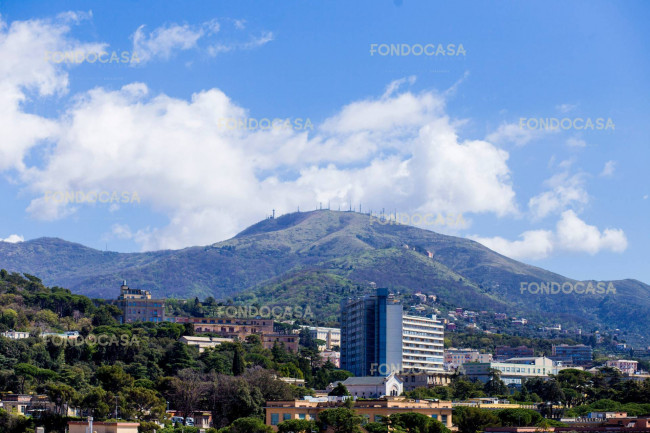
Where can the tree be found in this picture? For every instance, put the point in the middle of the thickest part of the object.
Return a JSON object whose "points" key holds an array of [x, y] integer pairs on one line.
{"points": [[518, 417], [113, 378], [178, 358], [411, 422], [145, 403], [61, 395], [376, 427], [247, 425], [238, 363], [186, 391], [231, 398], [495, 386], [340, 419], [297, 426], [339, 390], [473, 420]]}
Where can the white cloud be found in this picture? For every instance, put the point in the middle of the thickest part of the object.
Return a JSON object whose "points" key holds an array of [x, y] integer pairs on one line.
{"points": [[164, 41], [565, 191], [13, 239], [571, 235], [566, 108], [161, 42], [576, 142], [608, 169], [514, 133]]}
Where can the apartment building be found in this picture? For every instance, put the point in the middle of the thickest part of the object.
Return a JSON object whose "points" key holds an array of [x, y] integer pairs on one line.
{"points": [[331, 336], [454, 358], [138, 306], [578, 355], [230, 327], [425, 380], [377, 338], [514, 371], [422, 344], [370, 410], [626, 366], [506, 352]]}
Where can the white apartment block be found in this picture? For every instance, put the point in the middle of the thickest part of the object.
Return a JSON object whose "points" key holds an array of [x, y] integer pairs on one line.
{"points": [[331, 336], [422, 344], [514, 371], [624, 365]]}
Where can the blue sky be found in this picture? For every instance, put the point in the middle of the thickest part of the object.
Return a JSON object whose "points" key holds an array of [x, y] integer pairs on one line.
{"points": [[423, 134]]}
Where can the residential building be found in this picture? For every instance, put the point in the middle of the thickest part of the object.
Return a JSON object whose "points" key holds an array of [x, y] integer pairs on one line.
{"points": [[428, 380], [507, 352], [457, 357], [138, 306], [203, 342], [290, 341], [514, 371], [103, 427], [15, 335], [371, 386], [422, 344], [239, 328], [332, 356], [378, 338], [626, 366], [331, 336], [370, 410], [578, 354]]}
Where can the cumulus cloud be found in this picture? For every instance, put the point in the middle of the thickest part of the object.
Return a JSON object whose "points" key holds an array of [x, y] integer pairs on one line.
{"points": [[397, 150], [516, 134], [571, 235], [13, 239], [565, 191], [576, 142]]}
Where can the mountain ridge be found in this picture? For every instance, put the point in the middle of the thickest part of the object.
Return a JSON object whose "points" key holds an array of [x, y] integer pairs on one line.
{"points": [[343, 248]]}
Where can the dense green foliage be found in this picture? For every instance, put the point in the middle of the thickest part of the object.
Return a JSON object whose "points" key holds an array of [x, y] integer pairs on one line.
{"points": [[139, 367]]}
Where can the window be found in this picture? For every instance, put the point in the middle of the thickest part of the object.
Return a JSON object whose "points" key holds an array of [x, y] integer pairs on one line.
{"points": [[377, 418], [274, 418], [301, 416], [434, 416], [286, 416], [443, 419]]}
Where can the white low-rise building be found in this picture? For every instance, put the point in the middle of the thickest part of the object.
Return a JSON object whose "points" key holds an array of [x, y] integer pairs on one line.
{"points": [[204, 342], [15, 335], [371, 386]]}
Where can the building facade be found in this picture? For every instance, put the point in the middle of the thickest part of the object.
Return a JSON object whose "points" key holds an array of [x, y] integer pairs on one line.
{"points": [[514, 371], [15, 335], [579, 354], [371, 386], [331, 336], [506, 352], [377, 338], [138, 306], [625, 365], [371, 333], [454, 358], [370, 410], [422, 344]]}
